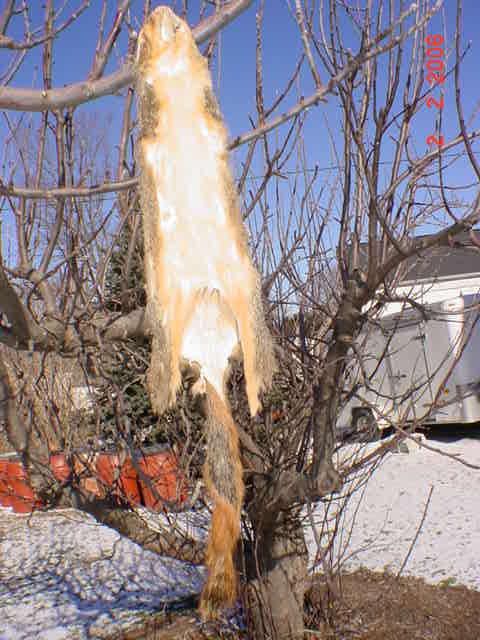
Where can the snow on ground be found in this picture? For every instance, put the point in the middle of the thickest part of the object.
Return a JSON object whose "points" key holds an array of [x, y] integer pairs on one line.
{"points": [[62, 575], [389, 511]]}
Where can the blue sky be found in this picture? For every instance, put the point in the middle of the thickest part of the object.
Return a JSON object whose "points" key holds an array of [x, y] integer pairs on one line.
{"points": [[236, 72], [75, 49]]}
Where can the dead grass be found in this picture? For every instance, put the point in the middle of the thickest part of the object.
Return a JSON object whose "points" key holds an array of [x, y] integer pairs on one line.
{"points": [[369, 606], [379, 606]]}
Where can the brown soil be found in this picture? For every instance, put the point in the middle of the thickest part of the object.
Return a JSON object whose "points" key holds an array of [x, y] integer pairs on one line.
{"points": [[379, 606], [367, 606]]}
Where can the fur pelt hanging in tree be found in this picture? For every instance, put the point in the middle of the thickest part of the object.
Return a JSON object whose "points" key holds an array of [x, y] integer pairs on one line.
{"points": [[204, 296]]}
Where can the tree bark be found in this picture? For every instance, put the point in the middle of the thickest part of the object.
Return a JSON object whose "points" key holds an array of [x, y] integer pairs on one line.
{"points": [[131, 525], [276, 572]]}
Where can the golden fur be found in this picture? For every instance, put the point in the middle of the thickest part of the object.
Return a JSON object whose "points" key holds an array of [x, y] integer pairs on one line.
{"points": [[223, 479], [203, 291]]}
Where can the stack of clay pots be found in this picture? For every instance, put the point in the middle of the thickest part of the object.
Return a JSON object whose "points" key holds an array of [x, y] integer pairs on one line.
{"points": [[151, 478]]}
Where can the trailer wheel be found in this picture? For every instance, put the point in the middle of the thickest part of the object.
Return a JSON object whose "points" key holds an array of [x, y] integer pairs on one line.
{"points": [[364, 425]]}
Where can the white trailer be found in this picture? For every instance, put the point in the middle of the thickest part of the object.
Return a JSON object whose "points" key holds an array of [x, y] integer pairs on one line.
{"points": [[416, 368]]}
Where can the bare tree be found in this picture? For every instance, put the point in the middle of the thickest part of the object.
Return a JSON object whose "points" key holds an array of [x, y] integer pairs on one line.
{"points": [[330, 245]]}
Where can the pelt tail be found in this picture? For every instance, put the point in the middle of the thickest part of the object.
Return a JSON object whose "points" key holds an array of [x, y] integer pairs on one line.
{"points": [[223, 478]]}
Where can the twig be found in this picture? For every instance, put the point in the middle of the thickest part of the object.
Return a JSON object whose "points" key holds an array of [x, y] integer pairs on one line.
{"points": [[414, 541], [20, 99]]}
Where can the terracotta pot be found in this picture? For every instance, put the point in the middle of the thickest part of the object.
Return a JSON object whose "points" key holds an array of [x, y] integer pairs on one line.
{"points": [[5, 489], [84, 465], [60, 467], [19, 480], [15, 490], [164, 482], [23, 505], [121, 477]]}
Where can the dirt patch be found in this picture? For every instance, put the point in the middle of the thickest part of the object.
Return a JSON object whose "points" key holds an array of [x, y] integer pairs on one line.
{"points": [[363, 605], [177, 626], [379, 606]]}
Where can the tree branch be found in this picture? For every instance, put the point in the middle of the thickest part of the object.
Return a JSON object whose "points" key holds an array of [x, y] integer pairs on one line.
{"points": [[60, 192], [133, 526], [6, 15], [16, 432], [10, 43], [18, 316], [202, 32], [81, 92], [68, 340], [101, 57]]}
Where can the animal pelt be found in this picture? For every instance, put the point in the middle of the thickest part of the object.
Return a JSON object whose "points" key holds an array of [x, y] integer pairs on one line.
{"points": [[204, 296]]}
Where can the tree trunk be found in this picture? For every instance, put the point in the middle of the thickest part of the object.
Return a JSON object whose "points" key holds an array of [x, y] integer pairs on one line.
{"points": [[276, 569]]}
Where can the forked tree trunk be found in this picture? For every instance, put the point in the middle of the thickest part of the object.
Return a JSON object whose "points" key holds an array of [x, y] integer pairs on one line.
{"points": [[276, 569]]}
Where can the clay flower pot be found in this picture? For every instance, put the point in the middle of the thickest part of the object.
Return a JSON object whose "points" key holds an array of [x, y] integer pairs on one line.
{"points": [[61, 467], [5, 489], [15, 490], [163, 481], [122, 478], [84, 464]]}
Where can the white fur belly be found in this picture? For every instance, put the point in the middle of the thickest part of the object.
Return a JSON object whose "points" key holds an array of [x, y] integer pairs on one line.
{"points": [[195, 258], [188, 166], [199, 248], [209, 339]]}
